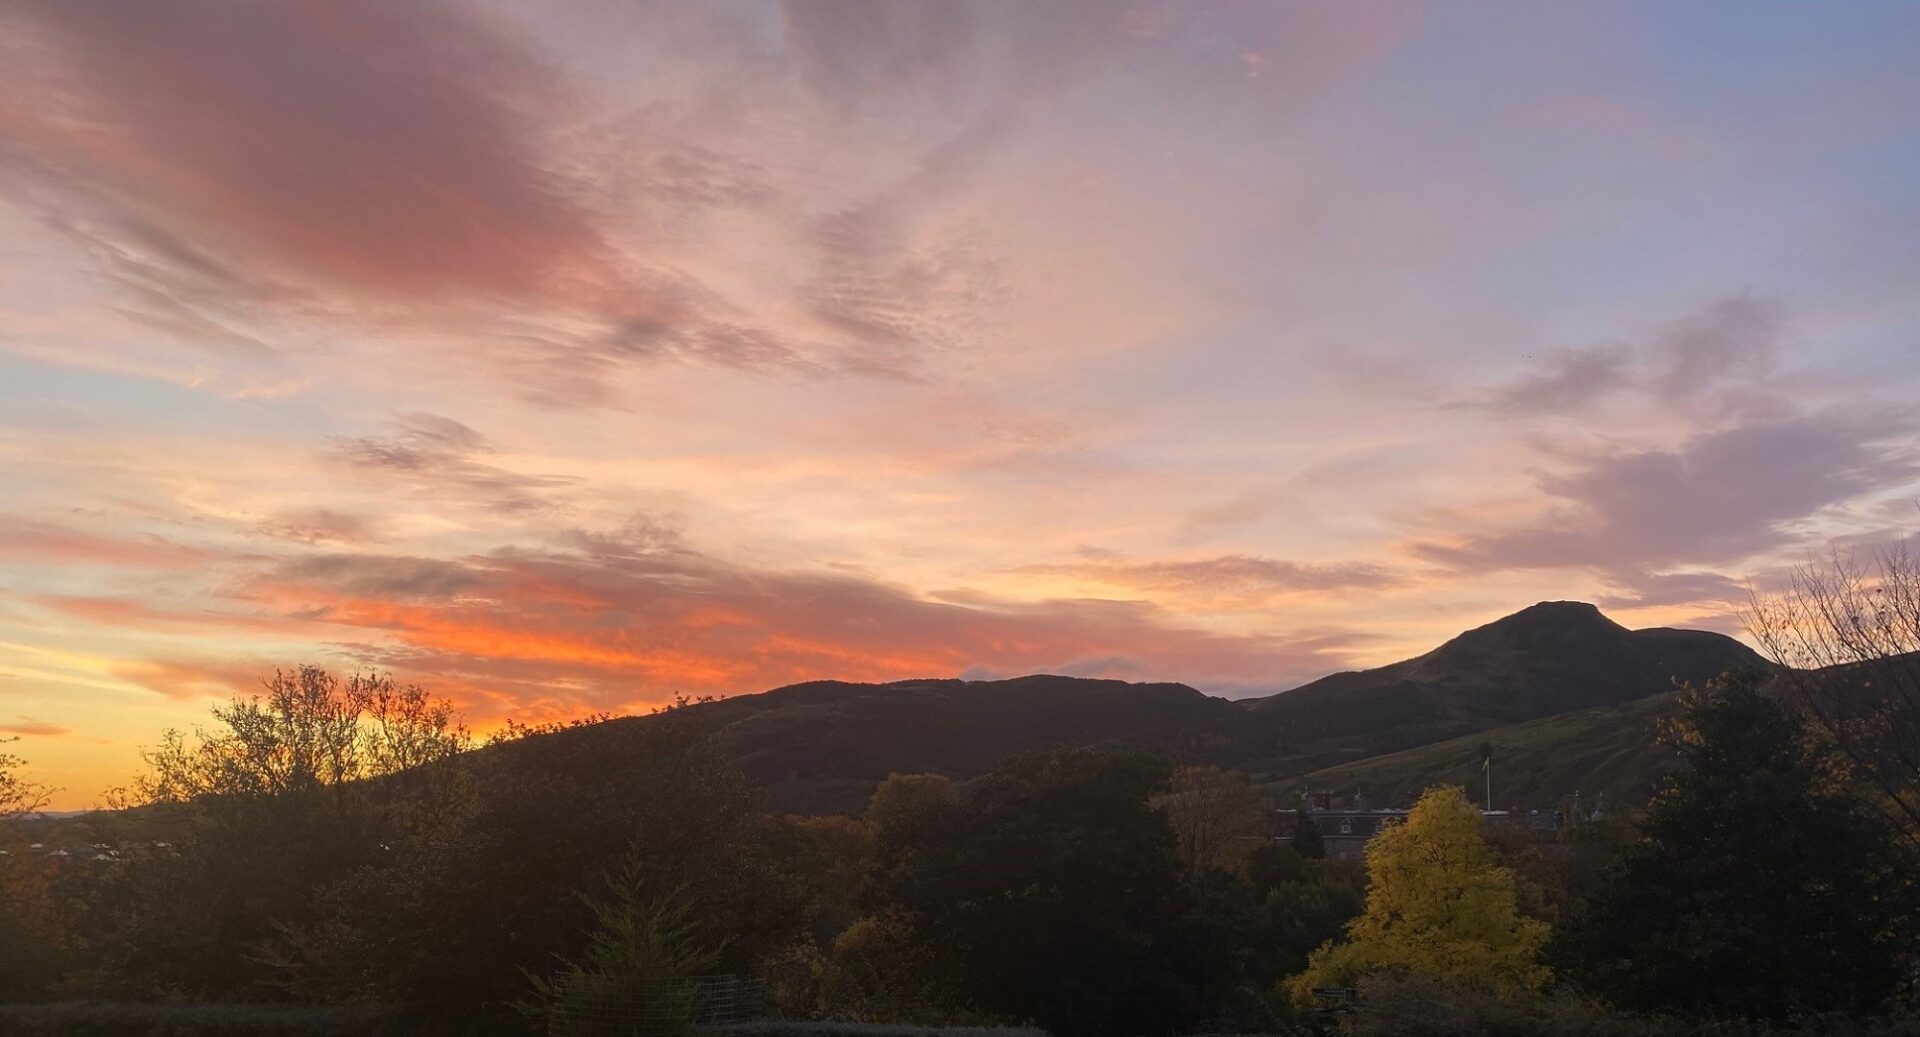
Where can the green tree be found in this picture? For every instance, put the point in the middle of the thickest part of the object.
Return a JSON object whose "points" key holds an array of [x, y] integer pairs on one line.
{"points": [[1052, 892], [637, 972], [1759, 888], [1438, 905], [1306, 838], [1304, 913]]}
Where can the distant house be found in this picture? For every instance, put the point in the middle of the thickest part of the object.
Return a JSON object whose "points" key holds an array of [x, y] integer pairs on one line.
{"points": [[1346, 825]]}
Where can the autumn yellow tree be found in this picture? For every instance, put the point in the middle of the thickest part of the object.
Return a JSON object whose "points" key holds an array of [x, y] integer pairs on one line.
{"points": [[904, 797], [1437, 904], [1216, 817]]}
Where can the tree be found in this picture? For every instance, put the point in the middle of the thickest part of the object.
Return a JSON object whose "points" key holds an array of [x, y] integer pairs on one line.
{"points": [[1216, 816], [33, 914], [1051, 892], [1847, 636], [309, 732], [637, 974], [1306, 838], [880, 971], [1303, 914], [1437, 905], [313, 780], [904, 797], [1758, 889], [18, 796], [451, 916]]}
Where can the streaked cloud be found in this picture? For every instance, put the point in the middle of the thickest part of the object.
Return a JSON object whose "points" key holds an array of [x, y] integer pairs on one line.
{"points": [[29, 727], [1716, 498], [1226, 576]]}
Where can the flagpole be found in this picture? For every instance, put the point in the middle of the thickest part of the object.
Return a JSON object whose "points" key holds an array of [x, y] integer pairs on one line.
{"points": [[1487, 766]]}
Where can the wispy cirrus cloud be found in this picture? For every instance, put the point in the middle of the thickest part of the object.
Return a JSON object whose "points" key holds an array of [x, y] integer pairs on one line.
{"points": [[1234, 576], [440, 455], [39, 542]]}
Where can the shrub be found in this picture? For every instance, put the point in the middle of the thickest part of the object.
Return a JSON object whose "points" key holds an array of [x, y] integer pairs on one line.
{"points": [[1407, 1005], [831, 1028]]}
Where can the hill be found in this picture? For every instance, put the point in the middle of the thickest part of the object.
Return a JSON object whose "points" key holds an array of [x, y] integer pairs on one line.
{"points": [[1553, 658], [1610, 751], [822, 746]]}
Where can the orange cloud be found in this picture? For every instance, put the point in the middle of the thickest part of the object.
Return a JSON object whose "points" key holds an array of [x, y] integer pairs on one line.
{"points": [[609, 622]]}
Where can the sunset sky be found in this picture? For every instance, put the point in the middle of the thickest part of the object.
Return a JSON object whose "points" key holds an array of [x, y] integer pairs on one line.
{"points": [[562, 357]]}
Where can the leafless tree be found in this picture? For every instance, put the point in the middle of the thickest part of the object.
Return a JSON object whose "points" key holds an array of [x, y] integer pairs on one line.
{"points": [[1847, 632], [18, 796]]}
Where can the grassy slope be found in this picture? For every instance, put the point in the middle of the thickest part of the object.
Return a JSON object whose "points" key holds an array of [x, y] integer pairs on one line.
{"points": [[1609, 750]]}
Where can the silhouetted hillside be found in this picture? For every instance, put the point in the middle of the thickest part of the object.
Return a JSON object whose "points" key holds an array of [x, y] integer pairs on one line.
{"points": [[823, 746], [1552, 658]]}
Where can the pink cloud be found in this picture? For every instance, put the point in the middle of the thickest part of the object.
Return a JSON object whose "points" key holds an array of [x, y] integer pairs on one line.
{"points": [[22, 540], [27, 726], [391, 150]]}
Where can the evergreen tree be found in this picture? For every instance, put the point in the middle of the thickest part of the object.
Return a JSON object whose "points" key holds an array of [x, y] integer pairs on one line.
{"points": [[638, 972], [1306, 838], [1758, 890]]}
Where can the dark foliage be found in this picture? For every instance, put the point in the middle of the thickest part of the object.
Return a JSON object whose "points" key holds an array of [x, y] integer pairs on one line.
{"points": [[1398, 1005], [1759, 890], [453, 918], [829, 1028], [107, 1019], [1306, 839], [1052, 891]]}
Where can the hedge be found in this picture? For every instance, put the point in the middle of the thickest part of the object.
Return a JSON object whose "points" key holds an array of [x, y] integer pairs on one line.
{"points": [[836, 1029], [115, 1019]]}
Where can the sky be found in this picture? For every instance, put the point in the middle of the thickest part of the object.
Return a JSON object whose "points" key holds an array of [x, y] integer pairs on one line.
{"points": [[563, 358]]}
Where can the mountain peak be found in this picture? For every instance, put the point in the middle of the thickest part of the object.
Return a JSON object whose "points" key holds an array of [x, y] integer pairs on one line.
{"points": [[1557, 612], [1548, 621]]}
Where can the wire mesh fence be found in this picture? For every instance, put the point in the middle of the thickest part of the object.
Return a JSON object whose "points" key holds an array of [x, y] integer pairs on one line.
{"points": [[598, 1006]]}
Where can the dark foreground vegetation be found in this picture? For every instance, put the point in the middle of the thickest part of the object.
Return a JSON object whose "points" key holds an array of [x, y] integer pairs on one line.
{"points": [[339, 857]]}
